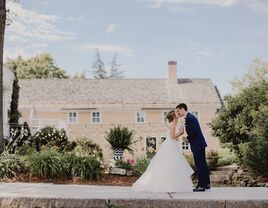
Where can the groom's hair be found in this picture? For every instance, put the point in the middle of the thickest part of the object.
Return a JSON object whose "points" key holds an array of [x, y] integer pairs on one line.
{"points": [[182, 105]]}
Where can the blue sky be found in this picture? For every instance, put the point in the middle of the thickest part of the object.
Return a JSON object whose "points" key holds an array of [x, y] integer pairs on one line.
{"points": [[208, 38]]}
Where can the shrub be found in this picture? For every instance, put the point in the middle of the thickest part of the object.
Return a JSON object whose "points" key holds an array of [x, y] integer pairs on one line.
{"points": [[25, 150], [85, 161], [120, 138], [46, 163], [140, 166], [10, 164], [85, 167], [243, 114], [212, 159], [20, 135], [70, 146], [255, 156], [226, 157], [50, 136], [90, 147], [123, 164]]}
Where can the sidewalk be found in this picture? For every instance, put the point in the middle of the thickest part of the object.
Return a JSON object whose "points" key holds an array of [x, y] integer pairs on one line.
{"points": [[28, 195]]}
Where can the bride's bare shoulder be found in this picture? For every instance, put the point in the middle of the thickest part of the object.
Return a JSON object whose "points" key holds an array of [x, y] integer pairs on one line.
{"points": [[171, 125]]}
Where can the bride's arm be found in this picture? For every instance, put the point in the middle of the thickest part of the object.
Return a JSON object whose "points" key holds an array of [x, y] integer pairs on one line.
{"points": [[181, 132]]}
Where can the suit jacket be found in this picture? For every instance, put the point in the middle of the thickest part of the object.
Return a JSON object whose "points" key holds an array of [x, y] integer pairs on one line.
{"points": [[195, 135]]}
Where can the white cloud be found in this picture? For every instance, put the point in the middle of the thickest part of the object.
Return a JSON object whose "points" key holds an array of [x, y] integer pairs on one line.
{"points": [[50, 2], [180, 6], [31, 24], [15, 38], [186, 6], [167, 3], [207, 54], [258, 6], [111, 28], [73, 19], [31, 31], [108, 48], [23, 49]]}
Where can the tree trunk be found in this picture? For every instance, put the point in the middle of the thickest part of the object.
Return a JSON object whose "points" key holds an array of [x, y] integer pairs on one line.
{"points": [[2, 33]]}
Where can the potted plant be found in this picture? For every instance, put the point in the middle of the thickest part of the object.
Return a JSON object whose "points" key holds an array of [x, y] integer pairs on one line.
{"points": [[120, 139]]}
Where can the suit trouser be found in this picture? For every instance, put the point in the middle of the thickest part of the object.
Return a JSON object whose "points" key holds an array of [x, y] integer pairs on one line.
{"points": [[201, 167]]}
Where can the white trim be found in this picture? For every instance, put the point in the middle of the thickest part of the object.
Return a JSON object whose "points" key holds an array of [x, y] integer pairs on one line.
{"points": [[163, 116], [42, 110], [76, 120], [198, 113], [91, 117], [185, 150], [144, 112]]}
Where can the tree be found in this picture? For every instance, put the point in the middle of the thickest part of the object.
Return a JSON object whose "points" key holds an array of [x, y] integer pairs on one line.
{"points": [[258, 71], [255, 154], [98, 69], [243, 122], [235, 121], [80, 76], [14, 112], [115, 72], [41, 66], [2, 33]]}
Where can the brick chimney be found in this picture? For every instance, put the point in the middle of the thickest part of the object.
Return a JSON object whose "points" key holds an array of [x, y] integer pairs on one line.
{"points": [[172, 72]]}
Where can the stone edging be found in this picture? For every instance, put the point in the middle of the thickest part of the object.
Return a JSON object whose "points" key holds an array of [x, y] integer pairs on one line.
{"points": [[32, 202]]}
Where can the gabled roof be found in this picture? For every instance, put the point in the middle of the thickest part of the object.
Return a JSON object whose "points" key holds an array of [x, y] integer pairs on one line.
{"points": [[73, 92]]}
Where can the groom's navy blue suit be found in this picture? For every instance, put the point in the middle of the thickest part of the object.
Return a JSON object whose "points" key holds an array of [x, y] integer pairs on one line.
{"points": [[198, 145]]}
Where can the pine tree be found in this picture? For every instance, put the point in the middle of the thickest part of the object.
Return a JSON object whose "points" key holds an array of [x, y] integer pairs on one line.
{"points": [[15, 114], [98, 69], [115, 71]]}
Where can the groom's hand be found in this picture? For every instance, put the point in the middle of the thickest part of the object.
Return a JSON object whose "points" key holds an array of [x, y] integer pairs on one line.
{"points": [[185, 140]]}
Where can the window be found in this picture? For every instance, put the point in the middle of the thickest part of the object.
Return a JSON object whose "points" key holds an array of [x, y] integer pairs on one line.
{"points": [[96, 117], [140, 117], [185, 146], [165, 116], [195, 113], [163, 139], [150, 146], [72, 117]]}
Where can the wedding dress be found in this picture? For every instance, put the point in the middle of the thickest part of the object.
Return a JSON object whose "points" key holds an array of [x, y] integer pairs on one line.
{"points": [[168, 171]]}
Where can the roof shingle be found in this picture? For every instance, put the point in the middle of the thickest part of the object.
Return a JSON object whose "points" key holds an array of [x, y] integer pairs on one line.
{"points": [[49, 92]]}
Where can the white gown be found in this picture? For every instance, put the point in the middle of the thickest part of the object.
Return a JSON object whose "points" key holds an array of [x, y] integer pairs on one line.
{"points": [[168, 171]]}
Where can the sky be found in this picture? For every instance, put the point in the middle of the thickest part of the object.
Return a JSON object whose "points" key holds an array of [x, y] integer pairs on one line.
{"points": [[214, 39]]}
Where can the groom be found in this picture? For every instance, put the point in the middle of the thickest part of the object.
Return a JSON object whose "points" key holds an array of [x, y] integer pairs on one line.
{"points": [[198, 145]]}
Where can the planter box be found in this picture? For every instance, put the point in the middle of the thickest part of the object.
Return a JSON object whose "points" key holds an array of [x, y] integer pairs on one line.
{"points": [[129, 172], [118, 171]]}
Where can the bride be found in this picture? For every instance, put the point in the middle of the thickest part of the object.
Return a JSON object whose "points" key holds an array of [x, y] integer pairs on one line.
{"points": [[168, 171]]}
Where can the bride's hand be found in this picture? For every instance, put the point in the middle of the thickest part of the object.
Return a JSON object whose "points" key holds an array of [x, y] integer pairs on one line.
{"points": [[185, 140]]}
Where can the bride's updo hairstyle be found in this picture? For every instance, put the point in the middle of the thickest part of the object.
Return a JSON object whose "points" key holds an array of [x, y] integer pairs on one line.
{"points": [[171, 115]]}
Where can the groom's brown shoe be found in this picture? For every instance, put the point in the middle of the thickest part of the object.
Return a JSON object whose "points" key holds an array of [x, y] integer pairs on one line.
{"points": [[199, 189]]}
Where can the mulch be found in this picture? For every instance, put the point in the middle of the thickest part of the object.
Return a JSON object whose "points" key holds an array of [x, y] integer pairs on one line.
{"points": [[106, 179]]}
